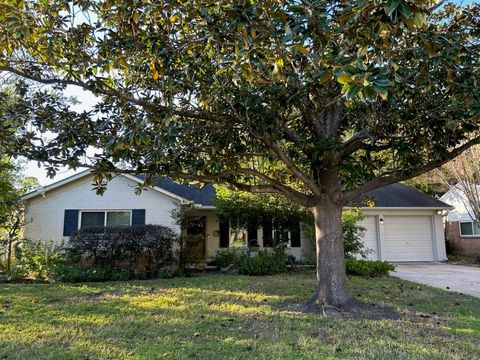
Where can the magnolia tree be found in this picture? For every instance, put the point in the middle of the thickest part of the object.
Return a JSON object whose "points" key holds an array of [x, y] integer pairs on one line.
{"points": [[319, 101]]}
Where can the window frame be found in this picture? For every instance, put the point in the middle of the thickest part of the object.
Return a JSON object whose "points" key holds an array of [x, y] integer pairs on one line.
{"points": [[473, 228], [105, 211]]}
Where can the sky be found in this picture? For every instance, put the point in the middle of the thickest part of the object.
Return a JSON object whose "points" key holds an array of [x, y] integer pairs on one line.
{"points": [[86, 101]]}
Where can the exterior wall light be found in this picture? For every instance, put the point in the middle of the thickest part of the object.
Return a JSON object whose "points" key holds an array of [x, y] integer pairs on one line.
{"points": [[439, 212], [381, 221]]}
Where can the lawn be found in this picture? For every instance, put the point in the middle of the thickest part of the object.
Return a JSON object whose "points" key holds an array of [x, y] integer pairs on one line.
{"points": [[232, 317]]}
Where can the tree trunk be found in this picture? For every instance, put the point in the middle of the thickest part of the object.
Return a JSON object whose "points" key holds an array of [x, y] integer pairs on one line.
{"points": [[9, 254], [332, 290]]}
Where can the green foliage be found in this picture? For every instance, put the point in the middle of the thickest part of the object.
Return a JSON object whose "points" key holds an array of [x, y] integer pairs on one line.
{"points": [[368, 268], [69, 273], [244, 209], [35, 260], [264, 263], [184, 216], [225, 257], [353, 233], [139, 248]]}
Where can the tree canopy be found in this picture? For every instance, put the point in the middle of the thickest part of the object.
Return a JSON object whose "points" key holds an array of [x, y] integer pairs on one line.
{"points": [[204, 90]]}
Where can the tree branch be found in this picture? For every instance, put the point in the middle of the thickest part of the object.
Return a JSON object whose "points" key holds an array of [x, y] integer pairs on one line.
{"points": [[401, 175], [107, 90]]}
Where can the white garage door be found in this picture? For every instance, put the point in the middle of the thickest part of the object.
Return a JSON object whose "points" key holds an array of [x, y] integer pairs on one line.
{"points": [[407, 238], [370, 237]]}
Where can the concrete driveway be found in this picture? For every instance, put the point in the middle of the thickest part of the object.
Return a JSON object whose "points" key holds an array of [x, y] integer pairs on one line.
{"points": [[463, 279]]}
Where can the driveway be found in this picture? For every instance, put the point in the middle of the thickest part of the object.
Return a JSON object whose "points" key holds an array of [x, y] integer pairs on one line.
{"points": [[463, 279]]}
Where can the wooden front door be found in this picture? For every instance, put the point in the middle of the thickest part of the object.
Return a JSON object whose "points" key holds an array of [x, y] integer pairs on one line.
{"points": [[196, 236]]}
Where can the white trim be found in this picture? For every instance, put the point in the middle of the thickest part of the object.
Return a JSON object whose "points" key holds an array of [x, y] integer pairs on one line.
{"points": [[55, 185], [467, 222], [434, 238], [44, 189]]}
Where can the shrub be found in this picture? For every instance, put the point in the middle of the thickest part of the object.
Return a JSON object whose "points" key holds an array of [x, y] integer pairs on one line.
{"points": [[368, 268], [352, 235], [73, 274], [225, 257], [35, 260], [139, 248], [265, 263]]}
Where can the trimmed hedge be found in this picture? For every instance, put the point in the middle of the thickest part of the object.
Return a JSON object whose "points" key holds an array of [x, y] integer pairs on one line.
{"points": [[368, 268], [138, 248], [264, 263]]}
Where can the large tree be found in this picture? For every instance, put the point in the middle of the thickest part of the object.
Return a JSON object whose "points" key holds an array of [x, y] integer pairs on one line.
{"points": [[319, 101]]}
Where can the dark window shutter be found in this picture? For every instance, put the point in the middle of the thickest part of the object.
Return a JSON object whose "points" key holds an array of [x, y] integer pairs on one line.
{"points": [[295, 236], [138, 217], [70, 222], [267, 232], [224, 231]]}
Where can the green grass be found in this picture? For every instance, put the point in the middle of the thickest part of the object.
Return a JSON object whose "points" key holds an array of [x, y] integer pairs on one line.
{"points": [[233, 317]]}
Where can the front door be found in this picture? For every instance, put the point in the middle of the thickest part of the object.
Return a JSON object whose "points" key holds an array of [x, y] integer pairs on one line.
{"points": [[196, 235]]}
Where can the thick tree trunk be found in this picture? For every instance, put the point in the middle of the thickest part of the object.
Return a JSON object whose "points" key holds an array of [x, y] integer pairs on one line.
{"points": [[332, 290]]}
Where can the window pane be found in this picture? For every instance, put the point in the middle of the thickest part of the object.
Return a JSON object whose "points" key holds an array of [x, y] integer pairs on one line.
{"points": [[476, 228], [466, 228], [117, 218], [93, 219]]}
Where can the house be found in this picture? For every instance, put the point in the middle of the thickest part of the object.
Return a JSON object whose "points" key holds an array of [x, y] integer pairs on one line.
{"points": [[404, 224], [462, 232]]}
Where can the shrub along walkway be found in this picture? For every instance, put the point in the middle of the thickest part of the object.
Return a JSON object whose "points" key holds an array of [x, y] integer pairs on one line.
{"points": [[233, 317]]}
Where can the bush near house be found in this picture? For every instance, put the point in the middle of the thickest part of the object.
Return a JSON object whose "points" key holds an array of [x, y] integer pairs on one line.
{"points": [[265, 262], [35, 261], [368, 268], [139, 248]]}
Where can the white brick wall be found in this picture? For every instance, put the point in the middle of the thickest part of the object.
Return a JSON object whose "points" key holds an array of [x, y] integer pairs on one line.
{"points": [[45, 214]]}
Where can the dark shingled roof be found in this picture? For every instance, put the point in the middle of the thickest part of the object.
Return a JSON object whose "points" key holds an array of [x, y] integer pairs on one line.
{"points": [[399, 195], [202, 196], [395, 196]]}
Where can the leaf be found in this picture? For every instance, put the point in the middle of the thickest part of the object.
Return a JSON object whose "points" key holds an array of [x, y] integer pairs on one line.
{"points": [[155, 74], [135, 17], [405, 10], [352, 91], [391, 6], [344, 79]]}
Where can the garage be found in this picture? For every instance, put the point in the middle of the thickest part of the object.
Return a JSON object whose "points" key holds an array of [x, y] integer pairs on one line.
{"points": [[407, 238], [370, 237]]}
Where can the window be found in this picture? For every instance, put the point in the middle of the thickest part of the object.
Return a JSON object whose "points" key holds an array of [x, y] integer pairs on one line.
{"points": [[104, 218], [470, 228]]}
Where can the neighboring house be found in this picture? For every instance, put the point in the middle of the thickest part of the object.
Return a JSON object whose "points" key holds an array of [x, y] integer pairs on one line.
{"points": [[404, 225], [462, 233]]}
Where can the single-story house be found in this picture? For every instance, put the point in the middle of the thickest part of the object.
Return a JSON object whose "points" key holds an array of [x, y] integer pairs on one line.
{"points": [[404, 224], [462, 232]]}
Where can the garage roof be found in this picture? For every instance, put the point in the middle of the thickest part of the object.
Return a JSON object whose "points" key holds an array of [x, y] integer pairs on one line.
{"points": [[401, 196]]}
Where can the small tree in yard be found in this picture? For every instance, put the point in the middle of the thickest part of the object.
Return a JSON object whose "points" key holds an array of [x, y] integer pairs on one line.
{"points": [[12, 211], [183, 215], [318, 101], [462, 175]]}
